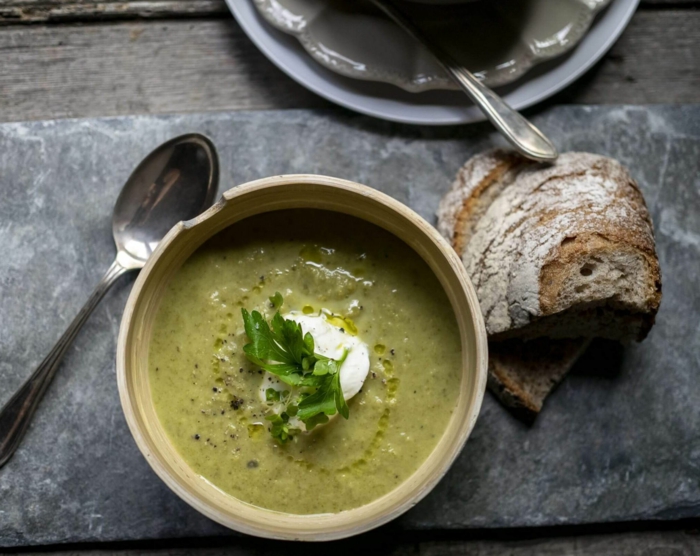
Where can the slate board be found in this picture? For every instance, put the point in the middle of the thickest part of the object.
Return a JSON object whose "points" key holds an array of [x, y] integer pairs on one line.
{"points": [[619, 440]]}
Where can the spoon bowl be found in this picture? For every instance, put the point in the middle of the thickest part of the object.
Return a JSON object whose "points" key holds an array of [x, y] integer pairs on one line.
{"points": [[176, 182]]}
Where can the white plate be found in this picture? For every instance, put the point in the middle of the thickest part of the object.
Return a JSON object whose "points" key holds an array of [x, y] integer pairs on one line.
{"points": [[433, 107]]}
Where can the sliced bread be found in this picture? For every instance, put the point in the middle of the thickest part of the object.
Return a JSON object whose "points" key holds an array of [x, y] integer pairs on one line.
{"points": [[523, 373], [563, 250]]}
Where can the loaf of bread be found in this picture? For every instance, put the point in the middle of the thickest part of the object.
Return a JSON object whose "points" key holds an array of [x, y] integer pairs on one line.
{"points": [[558, 254], [559, 251]]}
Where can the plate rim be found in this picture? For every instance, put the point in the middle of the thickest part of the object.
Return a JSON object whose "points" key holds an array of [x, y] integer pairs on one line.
{"points": [[330, 86]]}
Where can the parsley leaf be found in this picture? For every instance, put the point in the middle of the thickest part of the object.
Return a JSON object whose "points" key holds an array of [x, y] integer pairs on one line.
{"points": [[280, 429], [263, 345], [284, 350], [327, 399], [272, 395], [271, 350], [318, 419], [321, 401]]}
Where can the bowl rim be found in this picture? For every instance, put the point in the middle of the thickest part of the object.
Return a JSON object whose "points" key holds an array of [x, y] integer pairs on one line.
{"points": [[326, 526]]}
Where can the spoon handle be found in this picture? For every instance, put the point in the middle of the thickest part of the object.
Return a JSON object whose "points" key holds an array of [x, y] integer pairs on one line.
{"points": [[17, 413], [525, 137]]}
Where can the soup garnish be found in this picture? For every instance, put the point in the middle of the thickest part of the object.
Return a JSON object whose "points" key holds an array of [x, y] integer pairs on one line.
{"points": [[283, 349]]}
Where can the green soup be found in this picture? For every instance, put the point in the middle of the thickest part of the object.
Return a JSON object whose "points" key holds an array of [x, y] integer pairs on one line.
{"points": [[206, 392]]}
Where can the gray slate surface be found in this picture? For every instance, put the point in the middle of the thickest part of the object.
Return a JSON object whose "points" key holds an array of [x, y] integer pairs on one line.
{"points": [[619, 440]]}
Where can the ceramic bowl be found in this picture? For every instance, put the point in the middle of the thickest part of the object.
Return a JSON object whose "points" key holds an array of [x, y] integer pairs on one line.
{"points": [[270, 194], [381, 100], [498, 41]]}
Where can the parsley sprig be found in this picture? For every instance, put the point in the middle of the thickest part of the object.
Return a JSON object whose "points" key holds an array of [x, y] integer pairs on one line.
{"points": [[282, 349]]}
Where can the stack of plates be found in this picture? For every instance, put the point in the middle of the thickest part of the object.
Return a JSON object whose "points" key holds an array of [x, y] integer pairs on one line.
{"points": [[349, 53]]}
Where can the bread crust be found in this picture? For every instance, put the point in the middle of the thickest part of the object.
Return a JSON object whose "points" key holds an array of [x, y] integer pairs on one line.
{"points": [[456, 212], [526, 233], [523, 373]]}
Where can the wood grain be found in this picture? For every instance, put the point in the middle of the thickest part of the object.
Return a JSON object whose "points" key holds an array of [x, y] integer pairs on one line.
{"points": [[655, 61], [30, 11], [675, 543], [625, 544], [154, 67], [57, 71]]}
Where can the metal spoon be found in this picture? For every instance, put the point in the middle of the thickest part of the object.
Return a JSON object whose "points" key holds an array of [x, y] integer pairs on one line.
{"points": [[525, 137], [177, 181]]}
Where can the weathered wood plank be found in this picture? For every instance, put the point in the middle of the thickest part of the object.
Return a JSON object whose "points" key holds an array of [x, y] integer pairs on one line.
{"points": [[656, 60], [673, 543], [151, 67], [626, 544], [31, 11], [59, 71]]}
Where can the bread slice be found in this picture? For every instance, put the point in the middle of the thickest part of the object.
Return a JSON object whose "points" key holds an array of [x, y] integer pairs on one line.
{"points": [[523, 373], [563, 250]]}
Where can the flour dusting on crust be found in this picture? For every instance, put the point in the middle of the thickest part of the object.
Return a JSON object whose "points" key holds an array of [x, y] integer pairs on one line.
{"points": [[531, 211]]}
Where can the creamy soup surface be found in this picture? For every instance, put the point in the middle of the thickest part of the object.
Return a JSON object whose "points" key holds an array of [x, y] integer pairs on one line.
{"points": [[207, 394]]}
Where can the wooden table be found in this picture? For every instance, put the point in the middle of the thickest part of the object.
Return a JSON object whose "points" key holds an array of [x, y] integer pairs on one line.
{"points": [[77, 58], [82, 58]]}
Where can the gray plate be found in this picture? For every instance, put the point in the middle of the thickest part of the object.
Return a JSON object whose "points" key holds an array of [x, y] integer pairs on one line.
{"points": [[389, 102], [497, 41]]}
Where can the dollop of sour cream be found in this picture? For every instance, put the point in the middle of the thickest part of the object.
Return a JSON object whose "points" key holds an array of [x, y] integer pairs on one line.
{"points": [[330, 341]]}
